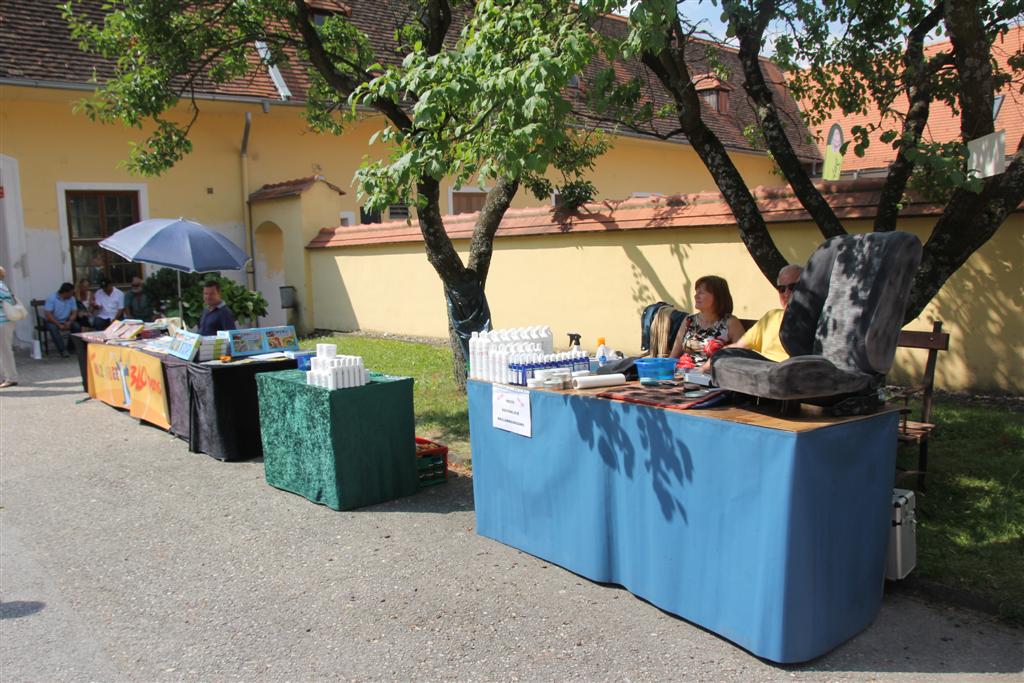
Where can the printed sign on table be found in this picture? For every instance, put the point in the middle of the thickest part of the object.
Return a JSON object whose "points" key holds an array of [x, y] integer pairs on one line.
{"points": [[511, 410], [147, 389], [184, 344], [254, 340], [130, 379]]}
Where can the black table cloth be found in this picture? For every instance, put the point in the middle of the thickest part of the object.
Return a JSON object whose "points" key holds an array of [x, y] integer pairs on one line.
{"points": [[223, 412], [176, 382], [213, 407]]}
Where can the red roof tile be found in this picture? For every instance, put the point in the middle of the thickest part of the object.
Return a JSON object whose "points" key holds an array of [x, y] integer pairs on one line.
{"points": [[36, 45], [943, 124], [851, 199], [290, 188]]}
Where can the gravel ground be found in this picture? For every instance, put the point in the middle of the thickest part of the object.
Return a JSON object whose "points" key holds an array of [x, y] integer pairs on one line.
{"points": [[125, 557]]}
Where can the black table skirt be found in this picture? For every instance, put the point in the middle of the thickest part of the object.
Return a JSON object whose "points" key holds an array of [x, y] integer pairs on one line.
{"points": [[176, 382], [224, 408]]}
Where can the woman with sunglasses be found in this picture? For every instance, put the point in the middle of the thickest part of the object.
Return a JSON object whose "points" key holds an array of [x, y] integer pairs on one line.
{"points": [[711, 327]]}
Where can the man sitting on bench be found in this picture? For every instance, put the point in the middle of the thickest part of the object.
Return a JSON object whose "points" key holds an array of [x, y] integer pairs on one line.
{"points": [[61, 311], [763, 336]]}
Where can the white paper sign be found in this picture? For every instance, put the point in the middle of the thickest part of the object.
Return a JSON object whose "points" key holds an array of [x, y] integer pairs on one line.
{"points": [[511, 410], [987, 154]]}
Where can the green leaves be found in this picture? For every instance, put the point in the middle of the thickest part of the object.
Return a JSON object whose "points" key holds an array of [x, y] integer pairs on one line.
{"points": [[493, 106]]}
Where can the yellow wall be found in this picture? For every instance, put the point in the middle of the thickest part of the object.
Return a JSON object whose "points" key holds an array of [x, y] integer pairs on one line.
{"points": [[637, 165], [597, 284], [54, 145]]}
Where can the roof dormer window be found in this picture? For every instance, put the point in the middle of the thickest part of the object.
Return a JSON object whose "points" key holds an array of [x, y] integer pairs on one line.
{"points": [[713, 92], [320, 10]]}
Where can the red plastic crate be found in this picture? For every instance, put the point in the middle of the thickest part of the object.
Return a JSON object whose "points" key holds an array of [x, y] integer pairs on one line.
{"points": [[431, 462]]}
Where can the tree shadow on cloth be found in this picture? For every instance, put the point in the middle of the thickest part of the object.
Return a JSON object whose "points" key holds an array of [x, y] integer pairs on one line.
{"points": [[620, 431]]}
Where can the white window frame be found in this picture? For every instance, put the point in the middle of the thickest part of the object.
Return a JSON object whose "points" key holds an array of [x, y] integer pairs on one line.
{"points": [[62, 215]]}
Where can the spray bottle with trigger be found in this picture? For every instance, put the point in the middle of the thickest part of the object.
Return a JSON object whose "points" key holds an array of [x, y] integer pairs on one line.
{"points": [[575, 352]]}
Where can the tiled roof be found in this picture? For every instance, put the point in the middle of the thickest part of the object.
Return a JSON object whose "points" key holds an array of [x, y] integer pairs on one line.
{"points": [[728, 126], [36, 46], [290, 188], [330, 6], [851, 199], [943, 124]]}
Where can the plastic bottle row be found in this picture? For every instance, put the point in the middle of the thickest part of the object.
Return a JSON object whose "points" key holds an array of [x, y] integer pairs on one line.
{"points": [[337, 372], [490, 351], [523, 367], [535, 334]]}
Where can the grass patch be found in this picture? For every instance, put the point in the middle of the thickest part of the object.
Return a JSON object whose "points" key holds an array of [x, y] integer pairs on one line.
{"points": [[970, 532], [441, 410]]}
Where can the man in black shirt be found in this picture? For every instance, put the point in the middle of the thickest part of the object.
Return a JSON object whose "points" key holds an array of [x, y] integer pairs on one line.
{"points": [[217, 316]]}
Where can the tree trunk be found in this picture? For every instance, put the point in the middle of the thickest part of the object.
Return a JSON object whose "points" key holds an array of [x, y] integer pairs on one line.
{"points": [[460, 364], [669, 66]]}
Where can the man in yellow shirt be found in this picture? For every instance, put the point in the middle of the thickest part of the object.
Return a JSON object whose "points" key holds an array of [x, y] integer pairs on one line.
{"points": [[763, 336]]}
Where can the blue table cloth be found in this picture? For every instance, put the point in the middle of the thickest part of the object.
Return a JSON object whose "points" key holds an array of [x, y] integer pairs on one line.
{"points": [[773, 539]]}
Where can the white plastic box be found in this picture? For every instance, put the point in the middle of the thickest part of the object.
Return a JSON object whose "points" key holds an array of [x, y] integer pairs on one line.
{"points": [[903, 536]]}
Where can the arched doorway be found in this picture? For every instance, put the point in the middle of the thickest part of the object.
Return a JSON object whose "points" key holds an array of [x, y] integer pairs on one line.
{"points": [[269, 264]]}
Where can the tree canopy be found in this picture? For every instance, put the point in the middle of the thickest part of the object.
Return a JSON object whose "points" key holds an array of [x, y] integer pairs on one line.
{"points": [[464, 90], [847, 55]]}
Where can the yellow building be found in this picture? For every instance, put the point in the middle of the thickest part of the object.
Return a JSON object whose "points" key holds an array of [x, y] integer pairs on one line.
{"points": [[65, 188]]}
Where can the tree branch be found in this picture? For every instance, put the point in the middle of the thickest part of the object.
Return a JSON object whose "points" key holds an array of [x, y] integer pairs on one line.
{"points": [[772, 128], [669, 66], [341, 82], [916, 81]]}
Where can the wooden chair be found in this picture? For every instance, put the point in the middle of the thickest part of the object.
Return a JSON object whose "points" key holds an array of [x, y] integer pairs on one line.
{"points": [[918, 432]]}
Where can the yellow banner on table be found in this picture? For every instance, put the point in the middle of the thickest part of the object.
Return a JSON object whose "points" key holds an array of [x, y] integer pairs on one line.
{"points": [[130, 379], [147, 388]]}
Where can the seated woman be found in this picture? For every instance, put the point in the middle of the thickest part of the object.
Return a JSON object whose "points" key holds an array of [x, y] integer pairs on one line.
{"points": [[713, 323]]}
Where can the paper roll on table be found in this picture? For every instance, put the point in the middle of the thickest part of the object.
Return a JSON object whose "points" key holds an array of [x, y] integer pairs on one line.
{"points": [[595, 381]]}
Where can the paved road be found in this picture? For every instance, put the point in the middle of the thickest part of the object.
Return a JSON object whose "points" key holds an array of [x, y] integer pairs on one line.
{"points": [[125, 557]]}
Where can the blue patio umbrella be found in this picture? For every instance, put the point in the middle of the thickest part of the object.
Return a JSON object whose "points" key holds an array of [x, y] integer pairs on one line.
{"points": [[176, 243]]}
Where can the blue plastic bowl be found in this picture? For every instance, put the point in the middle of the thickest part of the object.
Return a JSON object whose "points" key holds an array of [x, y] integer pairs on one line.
{"points": [[656, 368]]}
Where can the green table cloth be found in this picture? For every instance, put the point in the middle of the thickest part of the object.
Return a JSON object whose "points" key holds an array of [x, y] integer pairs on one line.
{"points": [[344, 448]]}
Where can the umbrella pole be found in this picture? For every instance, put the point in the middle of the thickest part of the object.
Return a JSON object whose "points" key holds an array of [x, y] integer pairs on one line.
{"points": [[181, 311]]}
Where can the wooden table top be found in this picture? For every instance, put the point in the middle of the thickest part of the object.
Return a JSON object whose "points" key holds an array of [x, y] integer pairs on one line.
{"points": [[809, 418]]}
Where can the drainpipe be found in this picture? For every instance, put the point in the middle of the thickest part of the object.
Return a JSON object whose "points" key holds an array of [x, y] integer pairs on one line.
{"points": [[250, 267]]}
